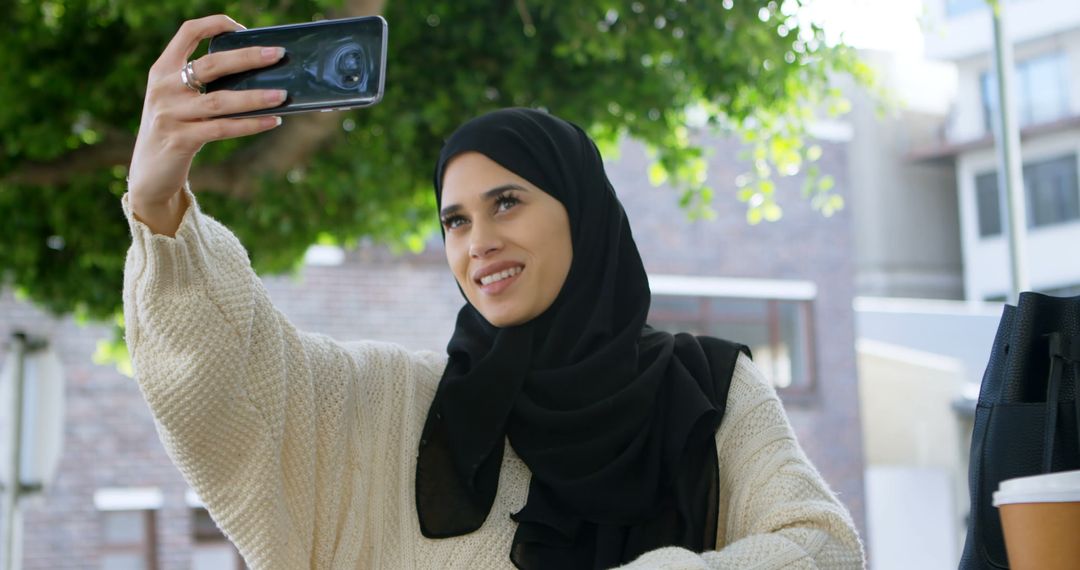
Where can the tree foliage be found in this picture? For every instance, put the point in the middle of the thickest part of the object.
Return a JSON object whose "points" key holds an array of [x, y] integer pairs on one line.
{"points": [[75, 73]]}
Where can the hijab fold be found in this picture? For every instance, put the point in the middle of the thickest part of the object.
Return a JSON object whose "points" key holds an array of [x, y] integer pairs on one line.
{"points": [[615, 420]]}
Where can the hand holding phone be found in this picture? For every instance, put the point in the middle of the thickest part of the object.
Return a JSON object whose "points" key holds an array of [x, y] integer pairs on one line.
{"points": [[177, 120], [246, 83], [328, 65]]}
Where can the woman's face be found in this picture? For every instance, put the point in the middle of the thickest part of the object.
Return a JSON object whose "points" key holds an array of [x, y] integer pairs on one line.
{"points": [[507, 242]]}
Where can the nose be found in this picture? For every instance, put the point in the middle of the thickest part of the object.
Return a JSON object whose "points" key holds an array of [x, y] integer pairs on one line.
{"points": [[484, 241]]}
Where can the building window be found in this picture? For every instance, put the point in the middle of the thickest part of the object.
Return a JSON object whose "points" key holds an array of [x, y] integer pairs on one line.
{"points": [[1041, 89], [1052, 193], [1051, 190], [955, 8], [777, 330], [128, 527], [988, 203], [128, 540], [211, 550]]}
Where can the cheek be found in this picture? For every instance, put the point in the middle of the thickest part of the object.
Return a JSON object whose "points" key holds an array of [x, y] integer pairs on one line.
{"points": [[458, 263], [566, 258], [558, 255]]}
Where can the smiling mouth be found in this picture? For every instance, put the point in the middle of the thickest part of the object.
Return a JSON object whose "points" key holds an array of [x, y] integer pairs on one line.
{"points": [[501, 276]]}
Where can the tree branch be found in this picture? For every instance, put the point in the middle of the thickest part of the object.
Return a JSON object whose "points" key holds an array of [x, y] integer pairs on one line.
{"points": [[275, 153], [114, 149]]}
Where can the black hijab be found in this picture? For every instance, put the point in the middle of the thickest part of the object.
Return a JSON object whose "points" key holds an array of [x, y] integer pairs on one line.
{"points": [[615, 420]]}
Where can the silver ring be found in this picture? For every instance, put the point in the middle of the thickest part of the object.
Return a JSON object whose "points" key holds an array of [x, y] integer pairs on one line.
{"points": [[187, 77]]}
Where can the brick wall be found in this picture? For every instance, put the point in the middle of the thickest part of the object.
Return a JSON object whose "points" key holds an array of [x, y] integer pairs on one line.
{"points": [[110, 439]]}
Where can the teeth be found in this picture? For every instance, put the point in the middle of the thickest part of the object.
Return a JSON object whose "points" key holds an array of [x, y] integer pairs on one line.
{"points": [[499, 276]]}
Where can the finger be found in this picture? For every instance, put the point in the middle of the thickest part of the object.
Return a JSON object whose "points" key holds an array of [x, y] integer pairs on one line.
{"points": [[227, 102], [221, 129], [189, 35], [214, 65]]}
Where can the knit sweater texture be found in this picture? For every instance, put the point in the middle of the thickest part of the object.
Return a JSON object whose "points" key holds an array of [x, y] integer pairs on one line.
{"points": [[303, 448]]}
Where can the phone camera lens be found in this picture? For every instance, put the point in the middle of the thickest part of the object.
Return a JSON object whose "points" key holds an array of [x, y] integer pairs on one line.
{"points": [[350, 67]]}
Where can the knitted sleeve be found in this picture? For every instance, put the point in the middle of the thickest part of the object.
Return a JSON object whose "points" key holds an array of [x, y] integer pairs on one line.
{"points": [[775, 509], [261, 419]]}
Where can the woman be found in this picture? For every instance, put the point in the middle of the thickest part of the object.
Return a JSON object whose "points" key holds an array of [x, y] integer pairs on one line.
{"points": [[560, 430]]}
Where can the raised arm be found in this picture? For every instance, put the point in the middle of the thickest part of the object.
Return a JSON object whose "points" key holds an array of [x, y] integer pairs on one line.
{"points": [[262, 419], [775, 509]]}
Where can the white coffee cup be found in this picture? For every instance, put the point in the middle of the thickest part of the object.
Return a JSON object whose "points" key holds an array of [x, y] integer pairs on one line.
{"points": [[1041, 519]]}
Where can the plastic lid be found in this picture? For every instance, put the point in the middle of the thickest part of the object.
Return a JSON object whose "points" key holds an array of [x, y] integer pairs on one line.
{"points": [[1063, 487]]}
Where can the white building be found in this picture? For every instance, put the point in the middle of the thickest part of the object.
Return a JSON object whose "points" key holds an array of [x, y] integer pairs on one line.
{"points": [[905, 214], [932, 258], [1045, 35]]}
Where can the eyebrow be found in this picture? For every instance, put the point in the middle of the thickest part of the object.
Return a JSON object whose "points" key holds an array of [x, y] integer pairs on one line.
{"points": [[486, 196]]}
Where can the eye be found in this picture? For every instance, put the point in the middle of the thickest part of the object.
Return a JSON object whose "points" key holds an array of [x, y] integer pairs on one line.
{"points": [[451, 222], [507, 201]]}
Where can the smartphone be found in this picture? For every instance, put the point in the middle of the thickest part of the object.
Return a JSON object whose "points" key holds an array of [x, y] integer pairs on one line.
{"points": [[328, 65]]}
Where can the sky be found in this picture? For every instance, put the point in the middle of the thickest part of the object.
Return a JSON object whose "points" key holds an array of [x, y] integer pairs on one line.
{"points": [[863, 23]]}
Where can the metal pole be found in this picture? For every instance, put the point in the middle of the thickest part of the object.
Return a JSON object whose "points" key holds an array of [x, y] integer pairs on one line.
{"points": [[1010, 176], [14, 486]]}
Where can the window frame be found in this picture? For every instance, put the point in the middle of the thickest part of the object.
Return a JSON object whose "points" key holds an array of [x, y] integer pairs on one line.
{"points": [[1064, 155], [1023, 102], [145, 501], [195, 505], [995, 196], [772, 292]]}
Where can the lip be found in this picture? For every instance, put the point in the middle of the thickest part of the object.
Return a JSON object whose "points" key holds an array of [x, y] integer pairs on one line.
{"points": [[494, 268]]}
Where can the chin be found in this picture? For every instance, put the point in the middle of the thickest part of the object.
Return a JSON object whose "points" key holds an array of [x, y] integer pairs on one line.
{"points": [[502, 322]]}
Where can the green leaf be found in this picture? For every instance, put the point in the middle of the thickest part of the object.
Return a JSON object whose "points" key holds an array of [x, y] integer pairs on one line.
{"points": [[658, 175], [772, 212]]}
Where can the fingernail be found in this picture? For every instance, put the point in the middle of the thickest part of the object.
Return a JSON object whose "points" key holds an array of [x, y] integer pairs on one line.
{"points": [[275, 95], [272, 121], [272, 53]]}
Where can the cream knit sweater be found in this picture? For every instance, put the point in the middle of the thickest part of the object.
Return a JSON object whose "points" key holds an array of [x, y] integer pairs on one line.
{"points": [[304, 448]]}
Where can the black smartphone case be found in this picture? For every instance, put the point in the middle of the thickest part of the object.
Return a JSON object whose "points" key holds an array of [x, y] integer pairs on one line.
{"points": [[328, 65]]}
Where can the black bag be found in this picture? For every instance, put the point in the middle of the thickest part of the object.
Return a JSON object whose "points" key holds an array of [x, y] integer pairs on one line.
{"points": [[1026, 418]]}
